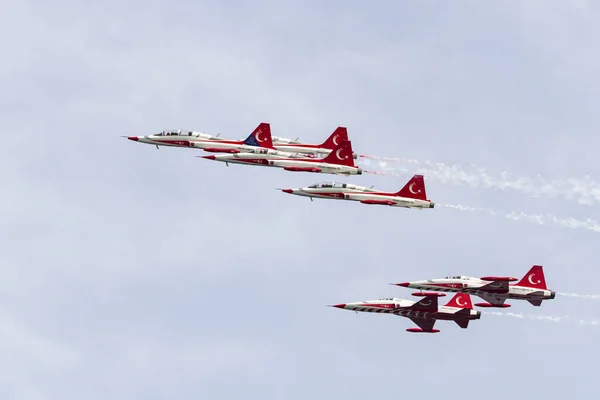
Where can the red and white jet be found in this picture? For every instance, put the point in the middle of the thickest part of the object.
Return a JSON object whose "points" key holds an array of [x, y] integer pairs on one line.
{"points": [[338, 162], [259, 138], [493, 289], [321, 150], [423, 313], [412, 195]]}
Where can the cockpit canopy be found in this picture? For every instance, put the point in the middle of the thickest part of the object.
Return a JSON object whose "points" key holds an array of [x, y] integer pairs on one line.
{"points": [[177, 132], [328, 185], [180, 132]]}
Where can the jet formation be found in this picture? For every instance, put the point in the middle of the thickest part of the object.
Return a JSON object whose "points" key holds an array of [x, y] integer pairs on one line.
{"points": [[335, 156]]}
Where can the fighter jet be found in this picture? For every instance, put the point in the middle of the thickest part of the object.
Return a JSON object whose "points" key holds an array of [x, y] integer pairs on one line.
{"points": [[173, 138], [424, 313], [320, 150], [412, 195], [338, 162], [259, 138], [493, 289]]}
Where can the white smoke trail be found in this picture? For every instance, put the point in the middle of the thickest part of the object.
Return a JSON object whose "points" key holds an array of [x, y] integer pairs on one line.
{"points": [[550, 318], [581, 190], [540, 219], [581, 296]]}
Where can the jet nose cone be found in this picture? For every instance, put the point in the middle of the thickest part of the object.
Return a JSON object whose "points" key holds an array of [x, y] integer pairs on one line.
{"points": [[211, 157], [134, 138], [343, 305], [405, 284], [287, 191]]}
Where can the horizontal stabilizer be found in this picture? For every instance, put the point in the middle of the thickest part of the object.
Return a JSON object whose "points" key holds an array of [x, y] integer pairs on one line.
{"points": [[463, 323], [535, 302]]}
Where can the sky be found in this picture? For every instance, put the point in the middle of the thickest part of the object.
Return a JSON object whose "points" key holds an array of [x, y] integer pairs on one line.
{"points": [[130, 272]]}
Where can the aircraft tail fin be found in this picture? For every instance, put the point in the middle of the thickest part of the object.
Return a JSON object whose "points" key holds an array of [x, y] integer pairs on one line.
{"points": [[460, 300], [534, 278], [261, 136], [338, 136], [341, 155], [414, 188]]}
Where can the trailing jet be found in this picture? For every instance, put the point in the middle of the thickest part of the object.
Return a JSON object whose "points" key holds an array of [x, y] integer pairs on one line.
{"points": [[493, 289], [338, 162], [321, 150], [423, 313], [259, 138], [412, 195]]}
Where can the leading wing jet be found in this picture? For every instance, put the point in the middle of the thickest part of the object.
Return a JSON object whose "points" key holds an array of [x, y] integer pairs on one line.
{"points": [[495, 290], [423, 313], [412, 195], [260, 137], [173, 138], [339, 135], [338, 162]]}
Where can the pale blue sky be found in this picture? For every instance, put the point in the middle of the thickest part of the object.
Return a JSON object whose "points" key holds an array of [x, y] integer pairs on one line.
{"points": [[128, 272]]}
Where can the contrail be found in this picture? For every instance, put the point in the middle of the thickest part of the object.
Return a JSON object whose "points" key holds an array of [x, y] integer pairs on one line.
{"points": [[581, 296], [581, 190], [540, 219], [550, 318]]}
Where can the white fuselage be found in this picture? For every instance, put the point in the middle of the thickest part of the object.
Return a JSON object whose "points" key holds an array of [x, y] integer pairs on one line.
{"points": [[479, 287], [305, 149], [183, 139], [301, 164], [362, 194], [278, 140], [403, 308], [199, 140], [299, 148], [251, 152]]}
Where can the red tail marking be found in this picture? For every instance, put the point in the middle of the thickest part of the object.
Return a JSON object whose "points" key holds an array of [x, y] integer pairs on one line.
{"points": [[262, 134], [336, 138], [534, 278], [414, 189], [341, 155], [460, 300]]}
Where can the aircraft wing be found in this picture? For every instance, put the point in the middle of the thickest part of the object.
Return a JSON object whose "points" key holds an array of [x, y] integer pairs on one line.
{"points": [[490, 298], [497, 283], [500, 286], [426, 325], [429, 302]]}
